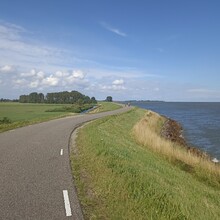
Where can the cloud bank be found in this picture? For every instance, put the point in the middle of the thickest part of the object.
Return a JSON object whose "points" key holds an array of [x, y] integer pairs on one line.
{"points": [[27, 66]]}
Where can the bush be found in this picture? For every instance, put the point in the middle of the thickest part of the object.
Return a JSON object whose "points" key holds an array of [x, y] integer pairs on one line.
{"points": [[75, 108], [5, 120]]}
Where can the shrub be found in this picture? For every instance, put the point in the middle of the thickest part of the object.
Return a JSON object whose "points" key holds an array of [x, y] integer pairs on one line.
{"points": [[5, 120]]}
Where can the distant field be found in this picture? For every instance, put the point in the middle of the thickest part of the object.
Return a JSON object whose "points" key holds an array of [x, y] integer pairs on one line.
{"points": [[106, 106], [22, 114]]}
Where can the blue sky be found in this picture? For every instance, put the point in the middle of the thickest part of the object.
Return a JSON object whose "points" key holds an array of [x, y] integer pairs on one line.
{"points": [[129, 49]]}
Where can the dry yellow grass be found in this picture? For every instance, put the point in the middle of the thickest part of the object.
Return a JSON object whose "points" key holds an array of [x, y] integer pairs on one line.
{"points": [[147, 133]]}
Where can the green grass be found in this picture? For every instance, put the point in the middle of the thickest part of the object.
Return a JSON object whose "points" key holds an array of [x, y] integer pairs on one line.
{"points": [[73, 108], [117, 178], [106, 106], [24, 114]]}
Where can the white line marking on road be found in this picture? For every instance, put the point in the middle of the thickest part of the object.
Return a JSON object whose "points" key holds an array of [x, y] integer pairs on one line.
{"points": [[61, 152], [67, 203]]}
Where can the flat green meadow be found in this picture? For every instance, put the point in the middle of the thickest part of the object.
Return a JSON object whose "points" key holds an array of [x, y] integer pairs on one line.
{"points": [[21, 114], [118, 178]]}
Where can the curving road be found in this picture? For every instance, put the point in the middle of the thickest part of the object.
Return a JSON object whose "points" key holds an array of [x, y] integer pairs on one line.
{"points": [[35, 173]]}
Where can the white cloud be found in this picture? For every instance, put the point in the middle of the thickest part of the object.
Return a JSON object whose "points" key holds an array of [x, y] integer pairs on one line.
{"points": [[116, 85], [123, 73], [6, 69], [29, 74], [10, 31], [75, 77], [118, 82], [50, 81], [60, 74], [19, 47], [34, 84], [78, 74], [20, 82], [112, 29], [40, 80], [34, 75], [112, 87], [40, 75]]}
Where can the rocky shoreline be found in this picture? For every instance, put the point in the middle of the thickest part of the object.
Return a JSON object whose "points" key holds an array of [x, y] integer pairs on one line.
{"points": [[173, 131]]}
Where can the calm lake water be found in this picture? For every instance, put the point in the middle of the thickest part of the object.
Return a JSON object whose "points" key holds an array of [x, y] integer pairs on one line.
{"points": [[200, 122]]}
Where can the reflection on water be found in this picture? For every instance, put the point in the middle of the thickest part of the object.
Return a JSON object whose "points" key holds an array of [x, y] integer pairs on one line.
{"points": [[200, 121]]}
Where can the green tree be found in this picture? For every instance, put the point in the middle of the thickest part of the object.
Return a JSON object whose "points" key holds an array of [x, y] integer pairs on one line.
{"points": [[33, 97], [93, 100], [41, 98], [24, 98], [108, 99], [64, 97]]}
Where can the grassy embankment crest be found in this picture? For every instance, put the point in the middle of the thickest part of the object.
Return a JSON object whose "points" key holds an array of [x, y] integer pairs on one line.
{"points": [[119, 178]]}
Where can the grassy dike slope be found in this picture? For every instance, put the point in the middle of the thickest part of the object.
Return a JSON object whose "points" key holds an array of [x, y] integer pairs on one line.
{"points": [[106, 106], [119, 178]]}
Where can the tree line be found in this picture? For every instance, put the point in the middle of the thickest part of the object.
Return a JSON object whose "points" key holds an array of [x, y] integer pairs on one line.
{"points": [[8, 100], [65, 97]]}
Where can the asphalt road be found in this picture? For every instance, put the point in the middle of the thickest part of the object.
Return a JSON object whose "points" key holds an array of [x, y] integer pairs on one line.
{"points": [[35, 171]]}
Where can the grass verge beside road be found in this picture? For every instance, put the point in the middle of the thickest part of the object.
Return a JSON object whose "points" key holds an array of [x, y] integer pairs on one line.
{"points": [[106, 106], [119, 178]]}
